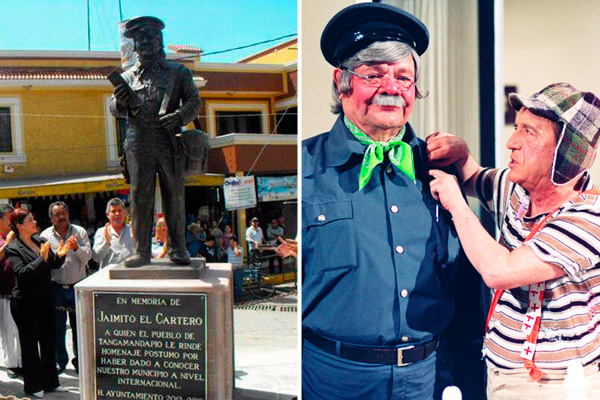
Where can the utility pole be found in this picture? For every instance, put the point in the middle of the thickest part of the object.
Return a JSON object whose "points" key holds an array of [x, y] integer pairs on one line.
{"points": [[88, 26]]}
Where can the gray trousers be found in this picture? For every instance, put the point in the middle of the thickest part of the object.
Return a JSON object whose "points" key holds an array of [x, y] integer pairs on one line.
{"points": [[149, 153]]}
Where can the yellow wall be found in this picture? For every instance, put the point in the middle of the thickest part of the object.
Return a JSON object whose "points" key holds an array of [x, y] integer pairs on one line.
{"points": [[64, 128], [64, 132], [284, 55]]}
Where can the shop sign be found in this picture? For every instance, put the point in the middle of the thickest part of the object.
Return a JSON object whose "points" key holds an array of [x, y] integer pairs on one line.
{"points": [[240, 192], [277, 188]]}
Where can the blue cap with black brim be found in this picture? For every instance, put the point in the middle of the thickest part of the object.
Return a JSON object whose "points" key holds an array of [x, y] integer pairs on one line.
{"points": [[356, 27]]}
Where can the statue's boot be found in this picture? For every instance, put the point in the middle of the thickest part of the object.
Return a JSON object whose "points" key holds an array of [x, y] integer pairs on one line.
{"points": [[180, 257], [136, 261]]}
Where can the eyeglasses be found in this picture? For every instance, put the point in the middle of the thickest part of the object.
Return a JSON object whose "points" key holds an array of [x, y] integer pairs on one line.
{"points": [[378, 80]]}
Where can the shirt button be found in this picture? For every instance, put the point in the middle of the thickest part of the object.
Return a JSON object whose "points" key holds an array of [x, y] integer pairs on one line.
{"points": [[389, 169], [394, 209], [404, 293], [399, 249], [404, 339], [321, 217]]}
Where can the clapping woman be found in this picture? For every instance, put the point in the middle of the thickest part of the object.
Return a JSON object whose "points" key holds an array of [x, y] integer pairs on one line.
{"points": [[32, 304]]}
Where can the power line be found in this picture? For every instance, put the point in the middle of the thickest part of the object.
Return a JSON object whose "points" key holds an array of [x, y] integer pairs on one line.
{"points": [[100, 25], [238, 48], [107, 25], [120, 11], [259, 155]]}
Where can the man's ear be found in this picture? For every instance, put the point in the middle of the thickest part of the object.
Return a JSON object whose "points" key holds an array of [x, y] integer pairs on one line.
{"points": [[337, 76]]}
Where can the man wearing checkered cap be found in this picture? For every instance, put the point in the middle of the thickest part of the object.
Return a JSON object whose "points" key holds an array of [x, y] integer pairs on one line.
{"points": [[546, 269]]}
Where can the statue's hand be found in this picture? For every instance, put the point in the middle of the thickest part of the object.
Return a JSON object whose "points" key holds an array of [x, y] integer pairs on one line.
{"points": [[122, 95], [171, 121]]}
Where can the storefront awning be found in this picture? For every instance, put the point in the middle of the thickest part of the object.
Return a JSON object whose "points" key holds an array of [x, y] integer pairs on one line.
{"points": [[55, 186]]}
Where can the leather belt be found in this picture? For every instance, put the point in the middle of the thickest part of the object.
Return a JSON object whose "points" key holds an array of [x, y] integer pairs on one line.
{"points": [[401, 356]]}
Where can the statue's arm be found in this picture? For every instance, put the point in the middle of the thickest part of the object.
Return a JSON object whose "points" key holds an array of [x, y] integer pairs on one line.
{"points": [[117, 109], [190, 100]]}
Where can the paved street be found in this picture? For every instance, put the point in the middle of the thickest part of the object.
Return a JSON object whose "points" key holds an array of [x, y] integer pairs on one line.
{"points": [[266, 354]]}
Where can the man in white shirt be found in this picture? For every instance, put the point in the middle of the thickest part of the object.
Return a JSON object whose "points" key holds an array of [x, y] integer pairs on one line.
{"points": [[73, 270], [113, 243], [254, 238]]}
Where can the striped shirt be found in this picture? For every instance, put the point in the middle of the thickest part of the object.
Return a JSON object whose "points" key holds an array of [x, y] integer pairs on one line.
{"points": [[236, 261], [570, 323]]}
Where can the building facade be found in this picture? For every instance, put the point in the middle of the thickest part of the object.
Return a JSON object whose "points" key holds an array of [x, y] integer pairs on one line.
{"points": [[58, 139]]}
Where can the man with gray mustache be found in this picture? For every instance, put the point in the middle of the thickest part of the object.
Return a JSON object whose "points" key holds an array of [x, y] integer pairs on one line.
{"points": [[383, 271]]}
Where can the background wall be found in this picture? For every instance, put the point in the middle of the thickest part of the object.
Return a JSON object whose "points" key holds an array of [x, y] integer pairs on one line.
{"points": [[317, 74], [549, 41]]}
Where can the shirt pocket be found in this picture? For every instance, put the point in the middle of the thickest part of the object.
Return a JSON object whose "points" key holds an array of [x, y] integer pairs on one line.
{"points": [[328, 237]]}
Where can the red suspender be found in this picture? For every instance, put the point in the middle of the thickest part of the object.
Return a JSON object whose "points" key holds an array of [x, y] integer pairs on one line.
{"points": [[529, 347]]}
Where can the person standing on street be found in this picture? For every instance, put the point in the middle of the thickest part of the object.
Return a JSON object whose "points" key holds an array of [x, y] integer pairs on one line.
{"points": [[113, 243], [32, 305], [274, 233], [10, 349], [73, 270], [255, 238]]}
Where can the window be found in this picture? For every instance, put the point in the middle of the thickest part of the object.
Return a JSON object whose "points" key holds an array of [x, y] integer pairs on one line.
{"points": [[238, 122], [5, 130], [287, 121], [11, 133], [237, 117], [121, 124], [115, 135]]}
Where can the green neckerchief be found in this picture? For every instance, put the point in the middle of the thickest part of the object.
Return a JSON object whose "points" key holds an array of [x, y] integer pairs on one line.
{"points": [[399, 152]]}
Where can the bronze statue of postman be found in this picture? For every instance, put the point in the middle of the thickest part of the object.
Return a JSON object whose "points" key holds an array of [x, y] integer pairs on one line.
{"points": [[157, 98]]}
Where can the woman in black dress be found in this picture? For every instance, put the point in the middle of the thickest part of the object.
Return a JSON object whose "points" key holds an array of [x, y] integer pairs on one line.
{"points": [[32, 304]]}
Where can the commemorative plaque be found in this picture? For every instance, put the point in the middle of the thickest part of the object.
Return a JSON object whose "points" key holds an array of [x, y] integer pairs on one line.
{"points": [[150, 343], [156, 339]]}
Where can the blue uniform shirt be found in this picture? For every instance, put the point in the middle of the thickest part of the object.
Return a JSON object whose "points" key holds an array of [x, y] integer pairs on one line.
{"points": [[380, 264]]}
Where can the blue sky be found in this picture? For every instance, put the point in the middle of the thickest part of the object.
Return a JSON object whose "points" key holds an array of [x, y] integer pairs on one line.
{"points": [[212, 25]]}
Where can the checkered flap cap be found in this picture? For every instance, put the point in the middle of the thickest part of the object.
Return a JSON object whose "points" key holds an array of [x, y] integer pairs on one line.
{"points": [[579, 113]]}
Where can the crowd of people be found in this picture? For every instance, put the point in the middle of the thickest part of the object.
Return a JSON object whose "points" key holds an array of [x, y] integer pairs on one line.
{"points": [[40, 267], [38, 271]]}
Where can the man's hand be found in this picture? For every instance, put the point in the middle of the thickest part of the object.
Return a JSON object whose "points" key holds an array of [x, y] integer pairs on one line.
{"points": [[287, 248], [444, 149], [445, 189], [171, 122], [107, 234], [45, 251], [73, 242], [123, 95]]}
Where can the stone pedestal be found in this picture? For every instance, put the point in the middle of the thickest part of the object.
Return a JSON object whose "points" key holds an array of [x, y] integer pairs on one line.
{"points": [[160, 269], [156, 338]]}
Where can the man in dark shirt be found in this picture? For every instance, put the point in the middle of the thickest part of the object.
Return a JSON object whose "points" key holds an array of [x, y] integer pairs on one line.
{"points": [[383, 268], [157, 100]]}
